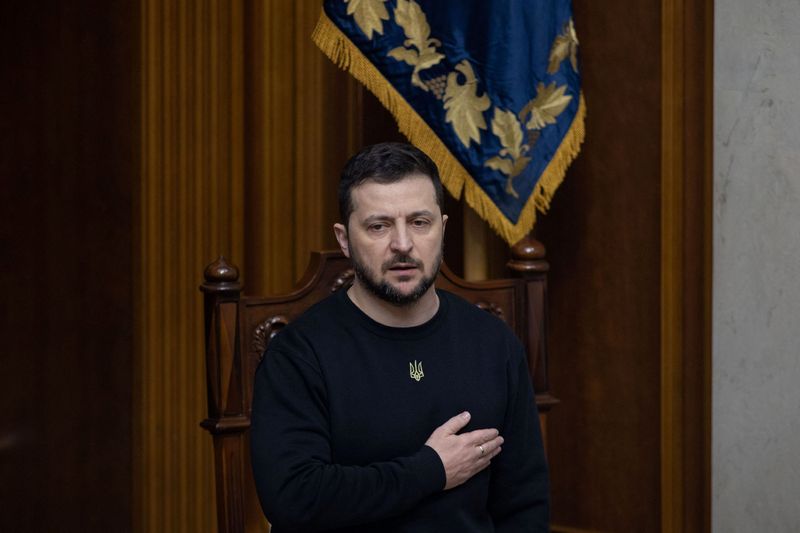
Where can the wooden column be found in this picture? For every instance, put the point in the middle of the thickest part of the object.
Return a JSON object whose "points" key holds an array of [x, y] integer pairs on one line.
{"points": [[671, 260], [686, 182], [228, 418], [528, 262], [475, 237], [190, 208]]}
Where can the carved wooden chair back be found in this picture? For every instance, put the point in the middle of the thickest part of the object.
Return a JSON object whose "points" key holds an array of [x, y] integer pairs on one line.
{"points": [[238, 329]]}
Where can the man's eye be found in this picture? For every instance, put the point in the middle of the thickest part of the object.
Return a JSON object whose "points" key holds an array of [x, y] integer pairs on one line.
{"points": [[377, 227], [420, 223]]}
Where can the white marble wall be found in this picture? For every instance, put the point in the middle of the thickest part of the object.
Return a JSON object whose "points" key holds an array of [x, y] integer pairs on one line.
{"points": [[756, 308]]}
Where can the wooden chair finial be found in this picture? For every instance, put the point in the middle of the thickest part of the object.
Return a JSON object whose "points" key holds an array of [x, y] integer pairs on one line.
{"points": [[221, 271], [528, 256], [221, 276]]}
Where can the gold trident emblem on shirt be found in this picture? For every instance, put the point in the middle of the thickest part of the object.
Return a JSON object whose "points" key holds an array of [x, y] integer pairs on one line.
{"points": [[415, 370]]}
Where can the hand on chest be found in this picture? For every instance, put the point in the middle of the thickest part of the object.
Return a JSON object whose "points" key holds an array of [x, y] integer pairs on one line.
{"points": [[387, 404]]}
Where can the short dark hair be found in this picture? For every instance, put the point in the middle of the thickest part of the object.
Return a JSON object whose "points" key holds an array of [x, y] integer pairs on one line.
{"points": [[385, 163]]}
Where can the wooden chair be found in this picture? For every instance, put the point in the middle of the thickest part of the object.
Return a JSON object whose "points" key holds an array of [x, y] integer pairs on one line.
{"points": [[238, 329]]}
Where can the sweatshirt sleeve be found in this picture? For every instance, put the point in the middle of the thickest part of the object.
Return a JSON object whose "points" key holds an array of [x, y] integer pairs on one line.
{"points": [[298, 484], [518, 492]]}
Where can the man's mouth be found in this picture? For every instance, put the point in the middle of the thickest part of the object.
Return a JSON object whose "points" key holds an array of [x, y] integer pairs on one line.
{"points": [[403, 267]]}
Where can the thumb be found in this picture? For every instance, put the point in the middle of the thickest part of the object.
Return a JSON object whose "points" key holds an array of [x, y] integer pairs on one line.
{"points": [[454, 425]]}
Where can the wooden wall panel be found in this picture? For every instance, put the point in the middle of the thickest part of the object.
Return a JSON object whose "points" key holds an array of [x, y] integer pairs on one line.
{"points": [[303, 122], [627, 384], [68, 165], [238, 158], [143, 138], [190, 208], [628, 241], [328, 117], [603, 240], [270, 137]]}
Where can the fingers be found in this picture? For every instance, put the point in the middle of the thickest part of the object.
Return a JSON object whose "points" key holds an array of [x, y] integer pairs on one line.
{"points": [[466, 454], [486, 459], [491, 450], [479, 436], [454, 425], [490, 447]]}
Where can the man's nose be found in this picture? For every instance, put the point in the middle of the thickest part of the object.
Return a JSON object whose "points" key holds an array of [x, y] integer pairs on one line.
{"points": [[401, 239]]}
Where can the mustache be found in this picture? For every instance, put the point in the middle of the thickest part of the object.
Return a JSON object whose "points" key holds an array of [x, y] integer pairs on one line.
{"points": [[401, 259]]}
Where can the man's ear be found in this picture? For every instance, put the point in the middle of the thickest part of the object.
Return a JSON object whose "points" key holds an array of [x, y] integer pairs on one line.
{"points": [[444, 223], [341, 236]]}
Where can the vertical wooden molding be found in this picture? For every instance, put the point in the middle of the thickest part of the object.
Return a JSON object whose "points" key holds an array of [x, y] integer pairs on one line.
{"points": [[708, 257], [672, 154], [686, 187], [190, 209]]}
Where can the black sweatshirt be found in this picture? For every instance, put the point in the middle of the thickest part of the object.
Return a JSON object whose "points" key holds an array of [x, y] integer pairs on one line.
{"points": [[339, 423]]}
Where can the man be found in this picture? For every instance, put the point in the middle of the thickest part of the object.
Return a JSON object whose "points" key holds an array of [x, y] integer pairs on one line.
{"points": [[393, 406]]}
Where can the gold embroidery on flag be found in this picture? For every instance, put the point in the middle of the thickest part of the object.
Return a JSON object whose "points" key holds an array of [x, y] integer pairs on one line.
{"points": [[369, 15], [564, 45], [511, 160], [412, 19], [550, 102], [341, 50], [463, 105]]}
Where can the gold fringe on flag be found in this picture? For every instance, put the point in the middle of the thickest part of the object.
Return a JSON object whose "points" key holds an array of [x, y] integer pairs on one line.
{"points": [[338, 47]]}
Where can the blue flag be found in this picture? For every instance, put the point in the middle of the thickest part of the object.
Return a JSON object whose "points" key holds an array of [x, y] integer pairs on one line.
{"points": [[489, 89]]}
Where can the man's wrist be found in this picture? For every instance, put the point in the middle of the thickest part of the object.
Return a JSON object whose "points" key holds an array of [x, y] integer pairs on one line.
{"points": [[432, 475]]}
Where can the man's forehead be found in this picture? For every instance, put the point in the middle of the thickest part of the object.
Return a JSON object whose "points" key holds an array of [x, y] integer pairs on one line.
{"points": [[415, 191]]}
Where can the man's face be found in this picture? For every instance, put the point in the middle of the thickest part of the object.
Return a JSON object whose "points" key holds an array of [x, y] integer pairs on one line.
{"points": [[394, 238]]}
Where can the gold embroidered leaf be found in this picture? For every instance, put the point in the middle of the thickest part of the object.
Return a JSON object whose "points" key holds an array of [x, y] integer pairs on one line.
{"points": [[510, 168], [463, 105], [508, 129], [369, 15], [550, 101], [499, 163], [412, 19], [516, 170], [428, 58], [512, 159], [558, 52], [409, 55], [519, 166], [564, 45]]}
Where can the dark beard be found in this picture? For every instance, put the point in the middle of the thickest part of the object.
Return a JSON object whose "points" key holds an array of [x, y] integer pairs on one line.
{"points": [[384, 290]]}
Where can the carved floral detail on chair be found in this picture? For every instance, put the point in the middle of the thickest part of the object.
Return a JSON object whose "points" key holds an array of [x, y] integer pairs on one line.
{"points": [[264, 333], [493, 308]]}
